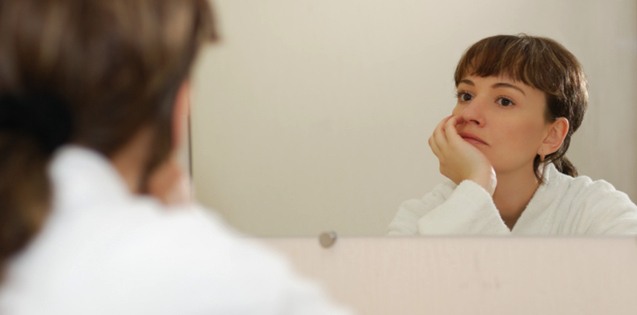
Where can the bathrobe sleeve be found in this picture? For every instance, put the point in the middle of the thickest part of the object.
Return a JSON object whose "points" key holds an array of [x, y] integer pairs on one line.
{"points": [[450, 210]]}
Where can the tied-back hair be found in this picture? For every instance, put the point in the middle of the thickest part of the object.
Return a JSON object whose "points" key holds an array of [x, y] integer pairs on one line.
{"points": [[104, 69], [543, 64]]}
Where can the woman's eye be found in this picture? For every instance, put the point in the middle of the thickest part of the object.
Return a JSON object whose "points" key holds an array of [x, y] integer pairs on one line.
{"points": [[464, 97], [504, 101]]}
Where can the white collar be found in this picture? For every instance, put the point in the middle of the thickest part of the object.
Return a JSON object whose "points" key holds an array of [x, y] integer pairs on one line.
{"points": [[543, 197], [82, 177], [551, 175]]}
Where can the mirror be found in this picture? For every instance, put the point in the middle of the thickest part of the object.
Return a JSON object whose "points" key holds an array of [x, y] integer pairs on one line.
{"points": [[312, 115]]}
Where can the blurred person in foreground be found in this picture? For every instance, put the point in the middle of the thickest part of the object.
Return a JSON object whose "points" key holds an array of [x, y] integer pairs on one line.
{"points": [[92, 93]]}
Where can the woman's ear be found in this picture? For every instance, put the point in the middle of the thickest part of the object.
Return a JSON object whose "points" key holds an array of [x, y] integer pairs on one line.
{"points": [[556, 133], [180, 114]]}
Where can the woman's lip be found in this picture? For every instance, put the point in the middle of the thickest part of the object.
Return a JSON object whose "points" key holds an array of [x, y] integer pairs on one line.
{"points": [[471, 138]]}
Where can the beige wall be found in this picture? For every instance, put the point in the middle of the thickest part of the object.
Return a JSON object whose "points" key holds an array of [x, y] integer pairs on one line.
{"points": [[314, 115]]}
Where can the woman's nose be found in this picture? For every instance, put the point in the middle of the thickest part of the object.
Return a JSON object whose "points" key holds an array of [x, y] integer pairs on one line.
{"points": [[473, 113]]}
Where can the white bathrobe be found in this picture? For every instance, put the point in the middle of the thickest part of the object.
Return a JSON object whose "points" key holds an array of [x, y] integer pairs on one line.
{"points": [[104, 250], [563, 205]]}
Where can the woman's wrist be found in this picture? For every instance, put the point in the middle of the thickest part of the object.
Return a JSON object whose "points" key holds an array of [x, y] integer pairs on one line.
{"points": [[487, 179]]}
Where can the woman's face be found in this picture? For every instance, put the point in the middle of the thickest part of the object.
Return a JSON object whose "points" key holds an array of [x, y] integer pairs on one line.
{"points": [[504, 119]]}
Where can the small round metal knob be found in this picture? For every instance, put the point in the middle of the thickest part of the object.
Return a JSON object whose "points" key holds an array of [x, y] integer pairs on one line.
{"points": [[327, 239]]}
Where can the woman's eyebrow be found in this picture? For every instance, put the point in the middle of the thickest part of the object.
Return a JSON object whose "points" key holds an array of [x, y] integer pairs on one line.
{"points": [[502, 84], [466, 81]]}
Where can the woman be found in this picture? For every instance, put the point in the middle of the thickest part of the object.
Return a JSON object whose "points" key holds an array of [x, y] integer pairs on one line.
{"points": [[520, 99], [91, 96]]}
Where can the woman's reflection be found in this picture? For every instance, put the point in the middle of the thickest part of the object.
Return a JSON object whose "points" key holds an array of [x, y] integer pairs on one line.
{"points": [[520, 99]]}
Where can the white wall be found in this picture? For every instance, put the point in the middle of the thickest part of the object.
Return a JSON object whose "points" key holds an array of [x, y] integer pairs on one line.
{"points": [[313, 115]]}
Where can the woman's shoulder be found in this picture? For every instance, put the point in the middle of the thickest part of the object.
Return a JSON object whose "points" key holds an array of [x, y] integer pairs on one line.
{"points": [[177, 257], [581, 185], [196, 236], [193, 248], [584, 196]]}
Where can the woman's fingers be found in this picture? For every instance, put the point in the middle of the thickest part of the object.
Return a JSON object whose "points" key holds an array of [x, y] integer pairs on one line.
{"points": [[439, 135], [434, 147], [450, 126], [451, 133], [459, 160]]}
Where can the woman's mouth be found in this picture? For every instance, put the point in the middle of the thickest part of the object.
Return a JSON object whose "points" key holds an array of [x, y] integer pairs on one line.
{"points": [[471, 138]]}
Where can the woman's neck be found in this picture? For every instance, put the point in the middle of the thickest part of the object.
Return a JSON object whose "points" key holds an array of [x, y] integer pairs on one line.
{"points": [[513, 193], [131, 159]]}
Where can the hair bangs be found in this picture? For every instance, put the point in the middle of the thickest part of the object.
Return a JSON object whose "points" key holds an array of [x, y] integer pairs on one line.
{"points": [[502, 56]]}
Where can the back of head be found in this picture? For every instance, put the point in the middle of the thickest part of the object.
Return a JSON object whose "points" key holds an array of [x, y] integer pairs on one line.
{"points": [[543, 64], [90, 72]]}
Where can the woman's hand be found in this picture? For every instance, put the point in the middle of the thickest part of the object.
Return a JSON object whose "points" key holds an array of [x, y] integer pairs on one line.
{"points": [[460, 160], [170, 184]]}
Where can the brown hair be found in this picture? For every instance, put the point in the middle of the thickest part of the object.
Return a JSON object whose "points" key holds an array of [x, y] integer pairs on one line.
{"points": [[543, 64], [116, 65]]}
